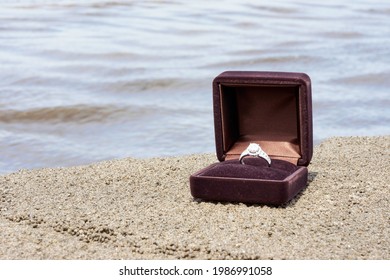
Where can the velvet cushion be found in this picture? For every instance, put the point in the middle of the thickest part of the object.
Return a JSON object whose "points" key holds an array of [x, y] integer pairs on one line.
{"points": [[254, 168]]}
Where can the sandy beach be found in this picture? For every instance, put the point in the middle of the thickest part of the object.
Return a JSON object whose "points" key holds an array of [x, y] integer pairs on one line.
{"points": [[142, 209]]}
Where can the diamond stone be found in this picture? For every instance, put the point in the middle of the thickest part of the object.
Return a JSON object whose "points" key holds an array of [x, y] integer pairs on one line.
{"points": [[253, 148]]}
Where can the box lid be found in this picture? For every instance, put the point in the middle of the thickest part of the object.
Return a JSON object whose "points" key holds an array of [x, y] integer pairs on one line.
{"points": [[273, 109]]}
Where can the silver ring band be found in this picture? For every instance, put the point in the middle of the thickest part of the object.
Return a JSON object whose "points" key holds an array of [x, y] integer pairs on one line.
{"points": [[254, 150]]}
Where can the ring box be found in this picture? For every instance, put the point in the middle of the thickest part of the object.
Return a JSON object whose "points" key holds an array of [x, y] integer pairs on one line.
{"points": [[272, 109]]}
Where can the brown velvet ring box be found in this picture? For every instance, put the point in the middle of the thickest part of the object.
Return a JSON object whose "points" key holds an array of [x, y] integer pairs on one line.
{"points": [[272, 109]]}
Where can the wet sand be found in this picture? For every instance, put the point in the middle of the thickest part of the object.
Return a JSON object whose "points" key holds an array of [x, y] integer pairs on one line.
{"points": [[142, 209]]}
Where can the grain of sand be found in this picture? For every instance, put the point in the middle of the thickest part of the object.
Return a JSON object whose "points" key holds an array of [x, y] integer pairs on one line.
{"points": [[142, 209]]}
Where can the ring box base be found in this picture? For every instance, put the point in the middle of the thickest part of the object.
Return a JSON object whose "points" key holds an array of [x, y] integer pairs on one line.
{"points": [[219, 187]]}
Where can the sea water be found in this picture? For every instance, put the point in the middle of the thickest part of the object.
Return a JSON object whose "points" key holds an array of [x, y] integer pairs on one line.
{"points": [[85, 81]]}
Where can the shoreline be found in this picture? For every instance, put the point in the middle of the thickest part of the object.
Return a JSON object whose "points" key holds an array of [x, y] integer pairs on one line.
{"points": [[142, 209]]}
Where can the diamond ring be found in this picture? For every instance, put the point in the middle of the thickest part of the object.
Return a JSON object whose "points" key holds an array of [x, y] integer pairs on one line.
{"points": [[254, 150]]}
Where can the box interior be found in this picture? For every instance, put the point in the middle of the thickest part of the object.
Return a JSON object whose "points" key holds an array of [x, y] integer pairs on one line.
{"points": [[264, 114]]}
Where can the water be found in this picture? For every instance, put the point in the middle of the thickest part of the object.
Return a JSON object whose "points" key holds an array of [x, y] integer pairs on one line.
{"points": [[84, 81]]}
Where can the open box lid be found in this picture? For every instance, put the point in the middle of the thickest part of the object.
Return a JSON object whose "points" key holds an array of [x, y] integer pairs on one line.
{"points": [[273, 109]]}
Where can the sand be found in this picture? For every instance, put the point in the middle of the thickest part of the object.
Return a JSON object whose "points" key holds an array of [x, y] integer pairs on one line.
{"points": [[142, 209]]}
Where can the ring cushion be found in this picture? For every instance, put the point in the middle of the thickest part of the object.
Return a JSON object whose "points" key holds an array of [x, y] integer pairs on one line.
{"points": [[254, 168], [272, 109]]}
